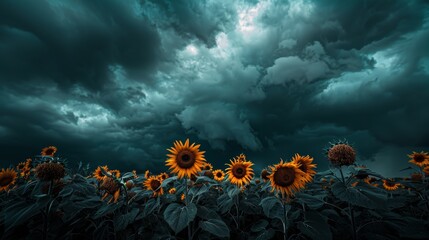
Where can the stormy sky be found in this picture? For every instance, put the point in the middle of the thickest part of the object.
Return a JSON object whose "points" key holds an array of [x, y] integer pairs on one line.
{"points": [[116, 82]]}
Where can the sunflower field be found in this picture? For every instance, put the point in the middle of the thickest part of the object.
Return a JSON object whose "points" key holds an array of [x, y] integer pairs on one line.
{"points": [[42, 198]]}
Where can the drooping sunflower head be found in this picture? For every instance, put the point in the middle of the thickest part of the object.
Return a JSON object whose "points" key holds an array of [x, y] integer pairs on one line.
{"points": [[7, 178], [370, 180], [49, 151], [135, 174], [306, 165], [218, 175], [390, 185], [416, 177], [49, 171], [163, 176], [184, 159], [129, 184], [264, 175], [240, 172], [98, 173], [147, 174], [20, 166], [241, 157], [172, 191], [341, 154], [111, 187], [420, 159], [207, 166], [153, 183], [286, 178]]}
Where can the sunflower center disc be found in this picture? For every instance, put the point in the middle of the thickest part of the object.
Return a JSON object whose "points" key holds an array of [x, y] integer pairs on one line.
{"points": [[218, 174], [284, 176], [419, 158], [239, 171], [303, 167], [185, 159], [5, 181], [154, 184]]}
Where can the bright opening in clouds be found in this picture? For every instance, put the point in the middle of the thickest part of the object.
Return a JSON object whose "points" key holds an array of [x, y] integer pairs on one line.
{"points": [[118, 81]]}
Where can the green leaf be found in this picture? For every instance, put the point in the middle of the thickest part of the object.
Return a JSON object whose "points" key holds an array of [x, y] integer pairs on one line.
{"points": [[272, 207], [259, 225], [266, 235], [204, 179], [19, 213], [315, 226], [150, 206], [233, 191], [179, 216], [122, 221], [196, 191], [313, 202], [224, 203], [216, 227], [168, 180], [206, 213], [105, 209], [361, 197]]}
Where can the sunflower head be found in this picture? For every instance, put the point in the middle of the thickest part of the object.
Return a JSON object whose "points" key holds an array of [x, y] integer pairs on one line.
{"points": [[286, 178], [390, 185], [163, 176], [264, 175], [135, 174], [306, 165], [185, 159], [172, 191], [341, 154], [147, 174], [7, 178], [240, 172], [420, 159], [209, 174], [49, 171], [153, 183], [257, 181], [241, 157], [98, 173], [207, 166], [111, 187], [416, 177], [218, 175], [370, 180], [49, 151], [20, 166], [115, 173]]}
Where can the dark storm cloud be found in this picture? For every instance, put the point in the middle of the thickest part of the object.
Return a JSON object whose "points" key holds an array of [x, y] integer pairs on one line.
{"points": [[117, 82]]}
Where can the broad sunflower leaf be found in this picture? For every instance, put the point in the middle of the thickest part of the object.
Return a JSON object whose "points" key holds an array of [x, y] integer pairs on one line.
{"points": [[206, 213], [356, 196], [233, 191], [168, 180], [272, 207], [266, 235], [315, 226], [259, 225], [150, 206], [216, 227], [196, 191], [19, 213], [313, 202], [224, 203], [178, 216], [122, 221]]}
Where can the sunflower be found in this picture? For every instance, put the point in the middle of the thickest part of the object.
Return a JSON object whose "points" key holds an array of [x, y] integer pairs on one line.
{"points": [[49, 171], [209, 174], [182, 197], [7, 178], [207, 166], [98, 174], [390, 185], [420, 159], [163, 176], [287, 178], [264, 175], [185, 159], [241, 157], [110, 187], [218, 175], [49, 151], [153, 183], [129, 184], [115, 173], [341, 154], [135, 174], [172, 191], [306, 165], [370, 180], [240, 172]]}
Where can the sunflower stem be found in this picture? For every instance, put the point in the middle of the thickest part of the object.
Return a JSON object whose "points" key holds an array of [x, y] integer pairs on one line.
{"points": [[285, 219], [351, 212], [46, 219], [186, 203]]}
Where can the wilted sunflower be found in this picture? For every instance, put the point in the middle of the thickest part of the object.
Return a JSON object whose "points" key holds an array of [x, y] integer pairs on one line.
{"points": [[50, 171], [153, 183], [306, 165], [146, 174], [98, 174], [416, 177], [172, 191], [218, 175], [163, 176], [240, 172], [49, 151], [207, 166], [264, 175], [341, 154], [7, 178], [390, 185], [185, 159], [420, 159], [209, 174], [111, 187], [286, 178]]}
